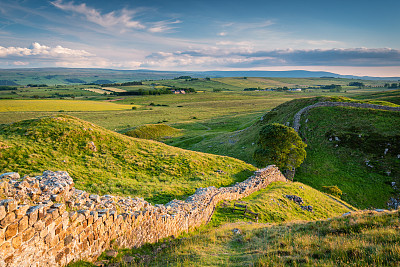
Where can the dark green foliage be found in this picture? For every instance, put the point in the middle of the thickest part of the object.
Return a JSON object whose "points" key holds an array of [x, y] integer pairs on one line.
{"points": [[279, 145], [359, 84], [7, 88], [333, 190]]}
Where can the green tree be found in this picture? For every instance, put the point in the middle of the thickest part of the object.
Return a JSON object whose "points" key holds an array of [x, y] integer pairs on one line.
{"points": [[280, 145]]}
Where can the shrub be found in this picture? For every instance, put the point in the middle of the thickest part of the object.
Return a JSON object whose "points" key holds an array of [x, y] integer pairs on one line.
{"points": [[333, 190]]}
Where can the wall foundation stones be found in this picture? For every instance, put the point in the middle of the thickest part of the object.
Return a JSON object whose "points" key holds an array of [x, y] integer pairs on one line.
{"points": [[46, 221]]}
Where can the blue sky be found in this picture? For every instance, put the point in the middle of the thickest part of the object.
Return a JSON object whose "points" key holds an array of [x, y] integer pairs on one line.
{"points": [[346, 37]]}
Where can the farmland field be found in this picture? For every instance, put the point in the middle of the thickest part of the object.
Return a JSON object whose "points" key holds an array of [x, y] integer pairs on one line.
{"points": [[57, 105]]}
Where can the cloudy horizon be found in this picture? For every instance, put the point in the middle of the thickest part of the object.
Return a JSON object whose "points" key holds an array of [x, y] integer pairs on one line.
{"points": [[348, 38]]}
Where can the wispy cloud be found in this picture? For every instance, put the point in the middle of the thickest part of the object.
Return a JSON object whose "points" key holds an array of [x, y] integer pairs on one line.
{"points": [[163, 26], [122, 18]]}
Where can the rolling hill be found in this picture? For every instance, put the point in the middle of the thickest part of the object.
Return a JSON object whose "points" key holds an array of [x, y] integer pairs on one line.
{"points": [[102, 161], [336, 155]]}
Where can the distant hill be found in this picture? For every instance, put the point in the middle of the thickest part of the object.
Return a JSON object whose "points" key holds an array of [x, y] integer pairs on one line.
{"points": [[53, 76]]}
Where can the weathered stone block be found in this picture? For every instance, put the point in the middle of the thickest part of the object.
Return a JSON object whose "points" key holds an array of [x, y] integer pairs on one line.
{"points": [[32, 217], [11, 231], [60, 206], [21, 210], [5, 249], [73, 215], [54, 213], [23, 223], [3, 212], [8, 219], [68, 240], [39, 226], [17, 241], [28, 234]]}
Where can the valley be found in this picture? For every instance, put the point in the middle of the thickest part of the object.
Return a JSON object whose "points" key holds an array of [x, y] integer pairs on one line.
{"points": [[144, 141]]}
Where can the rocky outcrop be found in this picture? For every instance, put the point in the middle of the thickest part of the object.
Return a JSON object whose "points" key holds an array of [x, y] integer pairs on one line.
{"points": [[46, 221], [297, 116]]}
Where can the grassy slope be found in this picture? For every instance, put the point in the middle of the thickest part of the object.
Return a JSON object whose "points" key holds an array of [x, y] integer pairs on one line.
{"points": [[391, 96], [214, 244], [241, 144], [326, 165], [156, 132], [121, 165], [344, 165], [362, 239], [272, 205]]}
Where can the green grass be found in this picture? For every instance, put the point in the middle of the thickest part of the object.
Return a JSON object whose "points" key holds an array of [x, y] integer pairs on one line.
{"points": [[361, 239], [156, 132], [272, 205], [392, 96], [215, 245], [59, 105], [344, 163], [343, 166], [121, 165]]}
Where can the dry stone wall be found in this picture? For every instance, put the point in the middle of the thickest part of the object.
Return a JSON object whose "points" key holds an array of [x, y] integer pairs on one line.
{"points": [[297, 117], [46, 221]]}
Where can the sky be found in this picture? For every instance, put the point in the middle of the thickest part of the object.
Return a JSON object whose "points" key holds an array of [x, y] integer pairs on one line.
{"points": [[351, 37]]}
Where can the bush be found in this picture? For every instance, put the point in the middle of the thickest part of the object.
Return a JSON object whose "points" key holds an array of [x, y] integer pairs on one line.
{"points": [[333, 190]]}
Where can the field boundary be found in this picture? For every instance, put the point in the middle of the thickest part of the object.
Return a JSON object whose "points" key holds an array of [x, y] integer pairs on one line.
{"points": [[67, 224], [297, 116]]}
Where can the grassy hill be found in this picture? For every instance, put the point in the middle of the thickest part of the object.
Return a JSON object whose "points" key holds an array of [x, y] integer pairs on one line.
{"points": [[346, 163], [102, 161]]}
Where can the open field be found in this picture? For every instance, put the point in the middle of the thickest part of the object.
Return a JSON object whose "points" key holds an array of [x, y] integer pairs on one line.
{"points": [[113, 89], [99, 91], [58, 105]]}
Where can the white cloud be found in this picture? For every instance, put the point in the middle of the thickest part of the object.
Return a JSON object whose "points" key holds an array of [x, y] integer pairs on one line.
{"points": [[20, 63], [163, 26], [122, 18], [37, 49]]}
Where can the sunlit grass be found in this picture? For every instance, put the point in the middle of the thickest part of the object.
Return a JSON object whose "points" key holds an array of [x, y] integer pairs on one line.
{"points": [[59, 105]]}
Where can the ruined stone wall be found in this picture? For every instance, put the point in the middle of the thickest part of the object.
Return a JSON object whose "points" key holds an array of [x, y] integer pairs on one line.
{"points": [[45, 221], [297, 117]]}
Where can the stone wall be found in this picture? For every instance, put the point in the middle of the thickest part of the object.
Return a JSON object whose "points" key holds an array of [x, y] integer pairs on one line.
{"points": [[297, 117], [45, 221]]}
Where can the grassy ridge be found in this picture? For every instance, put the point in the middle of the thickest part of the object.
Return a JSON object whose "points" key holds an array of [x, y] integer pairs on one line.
{"points": [[119, 164], [326, 165], [272, 205], [359, 167]]}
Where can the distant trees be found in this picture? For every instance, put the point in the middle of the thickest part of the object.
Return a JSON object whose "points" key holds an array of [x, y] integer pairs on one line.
{"points": [[7, 88], [392, 85], [359, 84], [280, 145], [333, 87]]}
